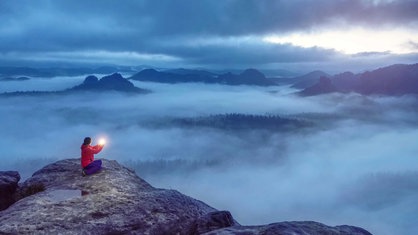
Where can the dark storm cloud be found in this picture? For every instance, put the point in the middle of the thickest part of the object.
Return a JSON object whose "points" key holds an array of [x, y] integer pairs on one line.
{"points": [[164, 27], [187, 17]]}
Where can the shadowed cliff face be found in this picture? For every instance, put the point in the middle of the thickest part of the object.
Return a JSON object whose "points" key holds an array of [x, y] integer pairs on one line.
{"points": [[8, 186], [116, 201]]}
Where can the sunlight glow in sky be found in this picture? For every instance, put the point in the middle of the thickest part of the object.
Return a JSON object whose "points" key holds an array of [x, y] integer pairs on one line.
{"points": [[354, 41], [299, 36]]}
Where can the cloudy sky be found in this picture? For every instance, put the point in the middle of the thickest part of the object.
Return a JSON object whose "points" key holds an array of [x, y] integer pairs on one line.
{"points": [[332, 35]]}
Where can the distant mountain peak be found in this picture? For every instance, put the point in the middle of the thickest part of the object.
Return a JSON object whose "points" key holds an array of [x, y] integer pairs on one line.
{"points": [[148, 71], [114, 76], [90, 80], [114, 82], [253, 73], [308, 79]]}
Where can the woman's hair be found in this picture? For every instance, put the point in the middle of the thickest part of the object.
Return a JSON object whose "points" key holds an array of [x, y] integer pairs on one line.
{"points": [[87, 141]]}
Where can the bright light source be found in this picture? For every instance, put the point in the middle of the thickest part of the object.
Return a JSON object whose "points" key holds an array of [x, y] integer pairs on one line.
{"points": [[102, 141]]}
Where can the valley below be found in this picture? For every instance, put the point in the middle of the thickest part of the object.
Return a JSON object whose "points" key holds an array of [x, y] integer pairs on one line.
{"points": [[263, 153]]}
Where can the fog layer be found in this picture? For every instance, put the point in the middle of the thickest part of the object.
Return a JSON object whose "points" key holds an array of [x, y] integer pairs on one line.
{"points": [[356, 164]]}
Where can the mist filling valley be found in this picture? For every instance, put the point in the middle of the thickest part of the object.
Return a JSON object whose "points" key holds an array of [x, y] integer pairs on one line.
{"points": [[263, 153]]}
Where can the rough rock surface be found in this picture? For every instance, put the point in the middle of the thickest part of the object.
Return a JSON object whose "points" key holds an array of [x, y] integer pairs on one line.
{"points": [[8, 186], [117, 201], [291, 228]]}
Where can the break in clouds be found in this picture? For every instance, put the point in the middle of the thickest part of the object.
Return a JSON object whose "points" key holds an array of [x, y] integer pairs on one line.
{"points": [[355, 163]]}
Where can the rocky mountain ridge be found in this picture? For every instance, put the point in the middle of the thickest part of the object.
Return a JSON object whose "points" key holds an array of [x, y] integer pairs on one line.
{"points": [[113, 82], [117, 201], [247, 77], [392, 80]]}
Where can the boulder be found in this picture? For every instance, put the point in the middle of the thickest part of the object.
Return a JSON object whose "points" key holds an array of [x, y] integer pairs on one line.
{"points": [[212, 221], [8, 185]]}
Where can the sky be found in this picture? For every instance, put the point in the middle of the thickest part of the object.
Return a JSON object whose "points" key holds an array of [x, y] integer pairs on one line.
{"points": [[301, 36]]}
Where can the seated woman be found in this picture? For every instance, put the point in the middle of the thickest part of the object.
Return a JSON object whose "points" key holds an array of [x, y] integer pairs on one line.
{"points": [[89, 165]]}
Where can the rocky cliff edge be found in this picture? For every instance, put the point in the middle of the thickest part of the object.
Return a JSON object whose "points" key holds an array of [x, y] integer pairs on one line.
{"points": [[58, 200]]}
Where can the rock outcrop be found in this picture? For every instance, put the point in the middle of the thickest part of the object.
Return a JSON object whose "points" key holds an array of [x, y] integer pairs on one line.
{"points": [[8, 185], [117, 201], [113, 82]]}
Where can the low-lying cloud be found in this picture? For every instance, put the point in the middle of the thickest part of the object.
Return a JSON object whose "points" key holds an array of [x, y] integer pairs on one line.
{"points": [[356, 165]]}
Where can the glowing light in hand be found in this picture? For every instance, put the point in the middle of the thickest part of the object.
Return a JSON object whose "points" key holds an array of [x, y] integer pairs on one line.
{"points": [[102, 141]]}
